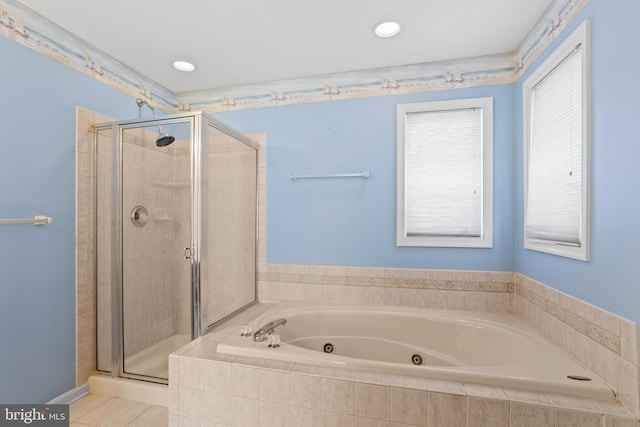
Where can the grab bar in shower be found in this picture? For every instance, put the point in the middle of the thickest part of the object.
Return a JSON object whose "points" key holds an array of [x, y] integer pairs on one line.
{"points": [[36, 220], [363, 175]]}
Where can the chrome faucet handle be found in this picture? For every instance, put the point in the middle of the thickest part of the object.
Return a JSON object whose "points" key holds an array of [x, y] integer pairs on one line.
{"points": [[267, 329], [245, 331], [274, 340]]}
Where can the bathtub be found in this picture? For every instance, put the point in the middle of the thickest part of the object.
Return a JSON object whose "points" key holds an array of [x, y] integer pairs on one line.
{"points": [[477, 347]]}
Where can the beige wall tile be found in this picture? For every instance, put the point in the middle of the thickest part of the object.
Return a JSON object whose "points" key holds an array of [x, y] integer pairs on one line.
{"points": [[245, 412], [629, 385], [191, 403], [273, 415], [368, 422], [338, 396], [525, 415], [570, 402], [304, 417], [447, 410], [274, 386], [567, 418], [192, 373], [333, 419], [354, 295], [245, 382], [217, 408], [372, 401], [217, 377], [483, 412], [629, 341], [612, 421], [336, 294], [409, 406], [306, 391], [174, 399]]}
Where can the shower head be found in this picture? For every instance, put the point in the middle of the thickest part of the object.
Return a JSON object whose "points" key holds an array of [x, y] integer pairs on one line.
{"points": [[164, 138]]}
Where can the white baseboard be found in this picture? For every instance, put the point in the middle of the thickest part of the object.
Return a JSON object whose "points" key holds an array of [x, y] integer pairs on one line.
{"points": [[71, 396]]}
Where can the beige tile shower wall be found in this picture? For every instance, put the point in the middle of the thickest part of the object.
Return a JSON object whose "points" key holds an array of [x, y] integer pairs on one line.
{"points": [[441, 289], [603, 342], [85, 244], [148, 282]]}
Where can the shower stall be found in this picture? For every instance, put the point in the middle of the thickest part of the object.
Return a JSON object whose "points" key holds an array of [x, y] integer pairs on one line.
{"points": [[176, 225]]}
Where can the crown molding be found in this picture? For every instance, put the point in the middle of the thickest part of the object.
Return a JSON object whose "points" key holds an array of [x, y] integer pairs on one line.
{"points": [[26, 27]]}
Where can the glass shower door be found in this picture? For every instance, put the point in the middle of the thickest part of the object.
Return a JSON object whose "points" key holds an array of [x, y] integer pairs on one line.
{"points": [[156, 218], [228, 281], [176, 237]]}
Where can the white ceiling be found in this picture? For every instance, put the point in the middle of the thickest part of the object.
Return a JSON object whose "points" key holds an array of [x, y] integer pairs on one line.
{"points": [[254, 41]]}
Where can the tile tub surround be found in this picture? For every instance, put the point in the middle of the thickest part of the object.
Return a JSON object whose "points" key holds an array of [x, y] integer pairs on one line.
{"points": [[604, 343], [207, 388], [440, 289]]}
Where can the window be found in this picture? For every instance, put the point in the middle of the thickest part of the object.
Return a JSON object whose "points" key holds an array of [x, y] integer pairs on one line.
{"points": [[445, 158], [556, 151]]}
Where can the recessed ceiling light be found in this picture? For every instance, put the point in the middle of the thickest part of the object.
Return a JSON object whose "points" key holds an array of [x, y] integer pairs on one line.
{"points": [[386, 29], [184, 66]]}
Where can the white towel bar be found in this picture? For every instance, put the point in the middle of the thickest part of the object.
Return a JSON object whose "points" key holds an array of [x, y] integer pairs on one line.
{"points": [[36, 220], [363, 175]]}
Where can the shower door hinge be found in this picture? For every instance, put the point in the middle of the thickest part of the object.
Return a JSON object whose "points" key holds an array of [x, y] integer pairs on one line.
{"points": [[188, 253]]}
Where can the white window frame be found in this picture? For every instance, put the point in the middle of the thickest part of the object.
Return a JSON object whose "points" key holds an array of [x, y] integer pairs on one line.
{"points": [[579, 36], [485, 240]]}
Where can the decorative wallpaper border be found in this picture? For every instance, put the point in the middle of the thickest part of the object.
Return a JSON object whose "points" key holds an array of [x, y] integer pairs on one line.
{"points": [[26, 27]]}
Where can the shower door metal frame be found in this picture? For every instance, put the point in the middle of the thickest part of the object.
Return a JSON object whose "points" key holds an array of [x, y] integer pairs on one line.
{"points": [[199, 123], [229, 131]]}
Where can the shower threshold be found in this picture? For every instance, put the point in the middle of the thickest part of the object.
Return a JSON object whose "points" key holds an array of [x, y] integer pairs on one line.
{"points": [[154, 361]]}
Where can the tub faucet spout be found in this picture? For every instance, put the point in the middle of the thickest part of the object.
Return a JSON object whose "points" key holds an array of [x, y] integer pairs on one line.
{"points": [[267, 329]]}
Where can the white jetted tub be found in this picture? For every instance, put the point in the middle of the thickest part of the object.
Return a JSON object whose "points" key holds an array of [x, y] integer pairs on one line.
{"points": [[487, 348]]}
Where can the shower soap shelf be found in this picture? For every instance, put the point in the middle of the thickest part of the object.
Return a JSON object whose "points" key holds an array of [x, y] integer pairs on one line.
{"points": [[161, 214], [170, 185]]}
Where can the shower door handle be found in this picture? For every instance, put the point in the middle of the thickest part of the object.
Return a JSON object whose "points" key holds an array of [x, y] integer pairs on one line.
{"points": [[188, 253]]}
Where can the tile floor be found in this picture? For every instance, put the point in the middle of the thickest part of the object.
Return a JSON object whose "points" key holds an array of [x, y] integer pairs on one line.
{"points": [[95, 410]]}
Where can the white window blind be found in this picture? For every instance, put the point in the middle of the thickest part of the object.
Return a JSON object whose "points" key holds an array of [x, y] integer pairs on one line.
{"points": [[555, 184], [443, 169], [445, 173]]}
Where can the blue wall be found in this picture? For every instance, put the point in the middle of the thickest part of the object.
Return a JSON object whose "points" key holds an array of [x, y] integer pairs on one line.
{"points": [[352, 221], [37, 176], [610, 279]]}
